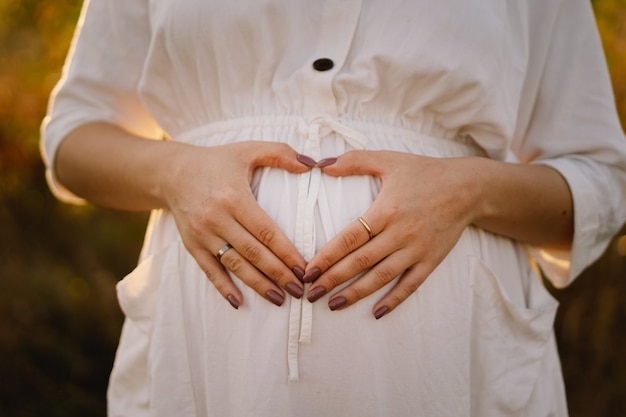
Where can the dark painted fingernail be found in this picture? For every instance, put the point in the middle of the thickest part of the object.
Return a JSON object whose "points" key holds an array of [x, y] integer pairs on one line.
{"points": [[337, 302], [294, 289], [233, 301], [298, 272], [306, 160], [311, 275], [315, 294], [275, 297], [326, 162], [381, 312]]}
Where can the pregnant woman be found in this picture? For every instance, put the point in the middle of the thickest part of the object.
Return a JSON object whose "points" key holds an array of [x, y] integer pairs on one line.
{"points": [[349, 198]]}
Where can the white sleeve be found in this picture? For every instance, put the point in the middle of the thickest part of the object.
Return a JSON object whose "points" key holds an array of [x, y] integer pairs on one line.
{"points": [[100, 78], [568, 120]]}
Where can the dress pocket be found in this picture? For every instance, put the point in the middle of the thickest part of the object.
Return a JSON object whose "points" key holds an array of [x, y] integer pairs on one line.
{"points": [[138, 292], [508, 343], [156, 352]]}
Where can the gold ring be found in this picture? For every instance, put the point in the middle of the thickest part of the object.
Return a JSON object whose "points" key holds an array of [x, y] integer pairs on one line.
{"points": [[367, 226], [222, 251]]}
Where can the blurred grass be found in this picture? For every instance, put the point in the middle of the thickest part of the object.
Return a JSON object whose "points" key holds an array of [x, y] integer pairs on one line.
{"points": [[59, 319]]}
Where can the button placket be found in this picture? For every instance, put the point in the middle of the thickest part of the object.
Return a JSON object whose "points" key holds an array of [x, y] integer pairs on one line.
{"points": [[337, 29]]}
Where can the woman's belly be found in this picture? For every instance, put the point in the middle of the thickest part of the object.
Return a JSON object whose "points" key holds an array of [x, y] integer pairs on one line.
{"points": [[303, 356]]}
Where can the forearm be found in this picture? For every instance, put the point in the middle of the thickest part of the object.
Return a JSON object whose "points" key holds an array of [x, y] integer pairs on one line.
{"points": [[111, 167], [530, 203]]}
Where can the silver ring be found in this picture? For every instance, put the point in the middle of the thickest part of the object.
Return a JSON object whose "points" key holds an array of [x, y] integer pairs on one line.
{"points": [[367, 226], [222, 251]]}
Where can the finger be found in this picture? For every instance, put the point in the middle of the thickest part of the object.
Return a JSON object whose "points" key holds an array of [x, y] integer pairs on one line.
{"points": [[252, 277], [352, 237], [276, 155], [376, 278], [271, 249], [215, 272], [261, 263], [360, 163], [258, 256], [352, 265], [408, 283]]}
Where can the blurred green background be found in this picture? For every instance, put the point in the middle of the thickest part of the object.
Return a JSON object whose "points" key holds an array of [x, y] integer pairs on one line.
{"points": [[59, 319]]}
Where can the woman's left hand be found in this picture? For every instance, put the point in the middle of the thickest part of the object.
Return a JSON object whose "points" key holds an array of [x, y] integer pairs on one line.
{"points": [[423, 207]]}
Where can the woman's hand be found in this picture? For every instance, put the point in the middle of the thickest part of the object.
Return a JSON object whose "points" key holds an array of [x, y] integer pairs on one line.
{"points": [[208, 192], [206, 189], [423, 207]]}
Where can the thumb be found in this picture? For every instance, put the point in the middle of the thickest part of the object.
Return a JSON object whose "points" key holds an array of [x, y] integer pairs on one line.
{"points": [[277, 155], [358, 163]]}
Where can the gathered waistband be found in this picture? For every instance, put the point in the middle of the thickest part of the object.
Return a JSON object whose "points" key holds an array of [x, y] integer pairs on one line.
{"points": [[420, 134]]}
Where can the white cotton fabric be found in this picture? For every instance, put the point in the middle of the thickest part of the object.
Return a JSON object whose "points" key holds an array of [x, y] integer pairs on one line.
{"points": [[518, 81]]}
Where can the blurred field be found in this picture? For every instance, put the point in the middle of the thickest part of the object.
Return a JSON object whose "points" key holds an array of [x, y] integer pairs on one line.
{"points": [[59, 320]]}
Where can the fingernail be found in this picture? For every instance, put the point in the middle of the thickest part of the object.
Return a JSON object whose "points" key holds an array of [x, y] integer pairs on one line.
{"points": [[326, 162], [381, 312], [275, 297], [294, 289], [306, 160], [298, 272], [315, 294], [311, 275], [233, 301], [337, 302]]}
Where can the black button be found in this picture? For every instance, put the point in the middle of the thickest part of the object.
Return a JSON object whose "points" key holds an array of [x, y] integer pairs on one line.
{"points": [[323, 64]]}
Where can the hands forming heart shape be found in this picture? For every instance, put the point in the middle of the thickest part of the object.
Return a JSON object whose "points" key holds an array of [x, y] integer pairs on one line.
{"points": [[404, 235]]}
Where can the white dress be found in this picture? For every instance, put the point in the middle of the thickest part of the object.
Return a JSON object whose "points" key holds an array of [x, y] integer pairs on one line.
{"points": [[520, 80]]}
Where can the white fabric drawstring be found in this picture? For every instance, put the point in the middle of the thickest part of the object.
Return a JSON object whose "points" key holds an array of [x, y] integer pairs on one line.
{"points": [[312, 193]]}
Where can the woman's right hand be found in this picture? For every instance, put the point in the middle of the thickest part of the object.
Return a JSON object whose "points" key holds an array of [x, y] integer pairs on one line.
{"points": [[208, 191]]}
